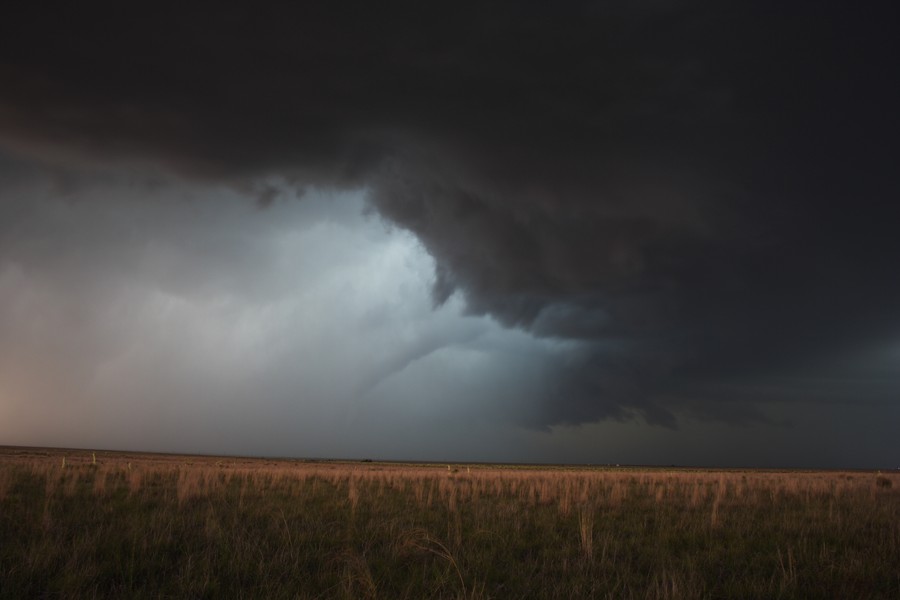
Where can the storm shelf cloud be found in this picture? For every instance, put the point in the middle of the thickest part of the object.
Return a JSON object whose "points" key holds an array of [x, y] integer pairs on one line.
{"points": [[571, 231]]}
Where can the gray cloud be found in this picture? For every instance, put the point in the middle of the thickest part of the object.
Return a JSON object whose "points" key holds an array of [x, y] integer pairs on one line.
{"points": [[180, 316], [183, 315], [695, 196]]}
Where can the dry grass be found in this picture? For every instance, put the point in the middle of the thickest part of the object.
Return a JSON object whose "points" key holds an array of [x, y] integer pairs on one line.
{"points": [[126, 525]]}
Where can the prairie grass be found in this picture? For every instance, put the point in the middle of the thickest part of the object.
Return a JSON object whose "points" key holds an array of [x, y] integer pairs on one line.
{"points": [[115, 525]]}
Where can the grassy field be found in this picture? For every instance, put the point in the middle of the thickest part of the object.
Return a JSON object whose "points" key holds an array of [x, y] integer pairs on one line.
{"points": [[74, 524]]}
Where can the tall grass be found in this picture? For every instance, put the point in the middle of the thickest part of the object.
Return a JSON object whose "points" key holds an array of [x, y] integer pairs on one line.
{"points": [[116, 525]]}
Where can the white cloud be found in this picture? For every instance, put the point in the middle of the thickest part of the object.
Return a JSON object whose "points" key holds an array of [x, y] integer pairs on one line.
{"points": [[185, 317]]}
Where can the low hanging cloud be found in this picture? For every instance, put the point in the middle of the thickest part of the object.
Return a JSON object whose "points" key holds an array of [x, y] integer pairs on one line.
{"points": [[697, 197], [178, 316]]}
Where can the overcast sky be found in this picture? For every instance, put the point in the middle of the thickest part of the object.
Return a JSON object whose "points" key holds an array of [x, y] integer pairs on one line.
{"points": [[607, 232]]}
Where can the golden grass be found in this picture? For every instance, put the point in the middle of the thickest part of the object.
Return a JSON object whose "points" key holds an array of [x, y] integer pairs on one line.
{"points": [[214, 526]]}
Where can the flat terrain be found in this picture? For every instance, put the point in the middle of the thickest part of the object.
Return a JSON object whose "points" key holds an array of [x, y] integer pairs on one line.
{"points": [[79, 524]]}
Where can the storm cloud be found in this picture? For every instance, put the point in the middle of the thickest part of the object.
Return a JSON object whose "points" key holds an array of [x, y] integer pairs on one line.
{"points": [[683, 210]]}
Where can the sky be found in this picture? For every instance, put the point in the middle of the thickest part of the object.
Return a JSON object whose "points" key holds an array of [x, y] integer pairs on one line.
{"points": [[622, 232]]}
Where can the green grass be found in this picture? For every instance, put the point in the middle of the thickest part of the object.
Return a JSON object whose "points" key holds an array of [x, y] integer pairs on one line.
{"points": [[188, 527]]}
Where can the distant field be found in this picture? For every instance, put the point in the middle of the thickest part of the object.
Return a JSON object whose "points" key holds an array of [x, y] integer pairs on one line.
{"points": [[77, 524]]}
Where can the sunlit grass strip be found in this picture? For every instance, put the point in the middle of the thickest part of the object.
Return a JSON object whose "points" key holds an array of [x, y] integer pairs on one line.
{"points": [[104, 526]]}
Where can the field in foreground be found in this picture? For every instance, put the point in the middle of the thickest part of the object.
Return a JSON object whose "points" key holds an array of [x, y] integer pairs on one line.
{"points": [[74, 524]]}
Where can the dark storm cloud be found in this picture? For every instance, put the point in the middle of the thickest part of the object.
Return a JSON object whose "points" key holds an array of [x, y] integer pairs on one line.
{"points": [[702, 194]]}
